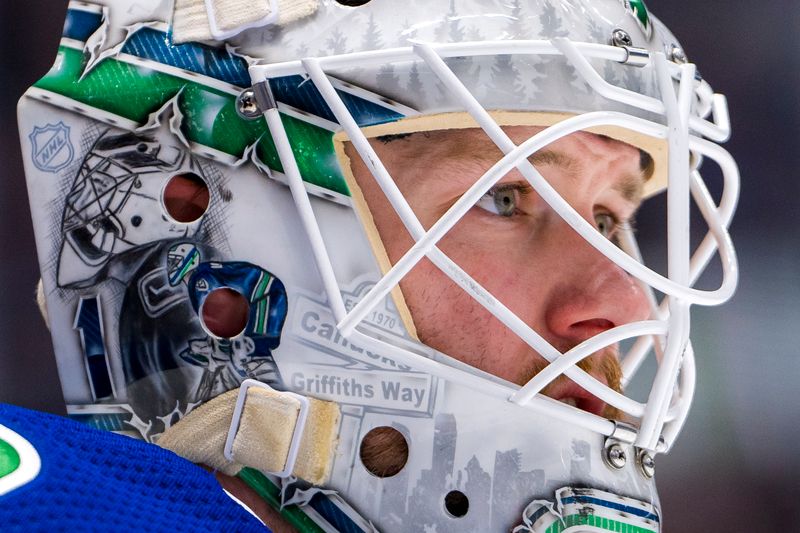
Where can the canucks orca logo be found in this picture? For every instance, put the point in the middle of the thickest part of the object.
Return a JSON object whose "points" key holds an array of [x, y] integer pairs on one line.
{"points": [[19, 461], [642, 16], [51, 147]]}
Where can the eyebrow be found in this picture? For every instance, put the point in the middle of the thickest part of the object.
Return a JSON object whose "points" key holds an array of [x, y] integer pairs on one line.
{"points": [[630, 187]]}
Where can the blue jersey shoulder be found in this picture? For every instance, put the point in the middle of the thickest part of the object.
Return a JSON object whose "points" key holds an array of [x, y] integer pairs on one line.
{"points": [[56, 474]]}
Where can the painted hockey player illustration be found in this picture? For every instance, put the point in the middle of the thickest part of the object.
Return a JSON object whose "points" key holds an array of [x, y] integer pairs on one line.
{"points": [[228, 361], [117, 227]]}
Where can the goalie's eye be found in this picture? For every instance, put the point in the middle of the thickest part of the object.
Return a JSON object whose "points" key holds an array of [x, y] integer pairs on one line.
{"points": [[503, 200]]}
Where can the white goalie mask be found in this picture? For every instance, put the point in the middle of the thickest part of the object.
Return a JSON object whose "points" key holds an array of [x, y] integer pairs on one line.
{"points": [[426, 206]]}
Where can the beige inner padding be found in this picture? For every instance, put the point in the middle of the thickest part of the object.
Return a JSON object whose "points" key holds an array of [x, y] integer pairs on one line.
{"points": [[265, 433], [657, 148]]}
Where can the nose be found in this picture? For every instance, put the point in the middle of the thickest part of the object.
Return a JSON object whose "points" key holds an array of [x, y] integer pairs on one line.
{"points": [[593, 295]]}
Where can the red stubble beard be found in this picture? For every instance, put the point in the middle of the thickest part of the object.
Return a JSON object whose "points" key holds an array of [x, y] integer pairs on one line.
{"points": [[602, 365]]}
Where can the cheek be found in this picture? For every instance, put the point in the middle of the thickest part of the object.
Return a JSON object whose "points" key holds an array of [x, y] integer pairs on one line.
{"points": [[446, 317], [511, 262], [451, 321]]}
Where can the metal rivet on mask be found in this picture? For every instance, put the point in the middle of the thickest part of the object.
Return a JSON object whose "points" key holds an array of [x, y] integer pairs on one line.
{"points": [[247, 106], [678, 55], [614, 456], [646, 463], [620, 37]]}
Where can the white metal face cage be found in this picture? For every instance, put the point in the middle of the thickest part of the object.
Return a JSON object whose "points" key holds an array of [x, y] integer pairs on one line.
{"points": [[666, 333]]}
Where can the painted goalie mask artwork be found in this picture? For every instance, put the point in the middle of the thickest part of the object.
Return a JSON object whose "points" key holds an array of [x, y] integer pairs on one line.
{"points": [[184, 153]]}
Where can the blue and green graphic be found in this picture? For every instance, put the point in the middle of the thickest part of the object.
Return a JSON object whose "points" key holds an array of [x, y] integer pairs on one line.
{"points": [[19, 461], [9, 459], [639, 11]]}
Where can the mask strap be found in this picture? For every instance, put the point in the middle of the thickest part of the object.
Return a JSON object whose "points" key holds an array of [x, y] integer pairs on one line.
{"points": [[263, 437], [204, 20]]}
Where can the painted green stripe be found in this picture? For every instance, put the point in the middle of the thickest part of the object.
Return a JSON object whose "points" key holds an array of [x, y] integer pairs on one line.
{"points": [[9, 459], [189, 264], [596, 521], [261, 310], [261, 286], [640, 10], [261, 317], [210, 118], [272, 495]]}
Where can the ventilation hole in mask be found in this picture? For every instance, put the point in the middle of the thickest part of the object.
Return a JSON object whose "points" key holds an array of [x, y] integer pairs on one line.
{"points": [[352, 3], [456, 503], [384, 451], [186, 198], [224, 313]]}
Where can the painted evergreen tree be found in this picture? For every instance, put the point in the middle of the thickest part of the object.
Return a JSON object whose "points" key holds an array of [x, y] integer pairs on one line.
{"points": [[415, 86], [516, 27], [462, 67], [474, 34], [335, 44], [388, 81], [455, 33], [407, 34], [551, 22], [632, 78], [372, 38], [441, 30], [481, 74], [555, 75], [603, 36], [506, 78]]}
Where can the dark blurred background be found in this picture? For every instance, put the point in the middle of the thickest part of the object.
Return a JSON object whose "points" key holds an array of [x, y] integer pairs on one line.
{"points": [[736, 466]]}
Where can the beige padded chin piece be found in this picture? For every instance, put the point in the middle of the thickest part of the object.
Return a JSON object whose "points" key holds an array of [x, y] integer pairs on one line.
{"points": [[191, 18], [264, 435]]}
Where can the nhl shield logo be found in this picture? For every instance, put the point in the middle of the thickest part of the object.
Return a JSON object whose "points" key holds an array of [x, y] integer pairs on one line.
{"points": [[51, 148]]}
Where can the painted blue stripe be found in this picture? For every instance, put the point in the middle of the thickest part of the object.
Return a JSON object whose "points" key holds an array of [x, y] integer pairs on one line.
{"points": [[366, 113], [155, 45], [335, 516], [298, 92], [611, 505], [538, 514], [302, 94], [80, 25]]}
